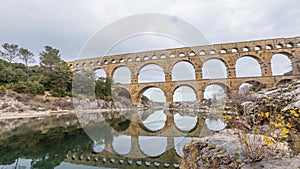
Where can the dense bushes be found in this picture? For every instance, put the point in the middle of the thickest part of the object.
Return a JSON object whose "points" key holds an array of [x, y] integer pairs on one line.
{"points": [[53, 75], [28, 87]]}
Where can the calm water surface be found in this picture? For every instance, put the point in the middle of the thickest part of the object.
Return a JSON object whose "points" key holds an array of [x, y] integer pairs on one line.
{"points": [[60, 142]]}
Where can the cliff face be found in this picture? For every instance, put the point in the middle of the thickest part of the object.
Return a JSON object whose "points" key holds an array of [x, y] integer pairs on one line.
{"points": [[269, 136]]}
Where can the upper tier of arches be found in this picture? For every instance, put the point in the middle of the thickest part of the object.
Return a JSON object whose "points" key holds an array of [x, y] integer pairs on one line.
{"points": [[196, 58]]}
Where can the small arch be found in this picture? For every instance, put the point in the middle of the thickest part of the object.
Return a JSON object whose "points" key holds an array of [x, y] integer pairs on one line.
{"points": [[298, 44], [91, 63], [151, 73], [138, 162], [98, 147], [121, 60], [137, 59], [181, 54], [269, 47], [113, 61], [183, 70], [84, 64], [154, 57], [212, 52], [71, 65], [290, 45], [129, 60], [257, 48], [163, 56], [77, 65], [234, 50], [223, 51], [192, 53], [98, 62], [246, 49], [172, 55], [279, 46], [202, 53], [166, 165], [106, 62], [146, 58]]}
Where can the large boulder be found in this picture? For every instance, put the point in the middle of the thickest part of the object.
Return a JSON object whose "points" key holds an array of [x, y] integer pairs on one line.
{"points": [[229, 149]]}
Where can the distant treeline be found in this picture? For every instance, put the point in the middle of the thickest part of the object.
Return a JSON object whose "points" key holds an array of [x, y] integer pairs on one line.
{"points": [[52, 74]]}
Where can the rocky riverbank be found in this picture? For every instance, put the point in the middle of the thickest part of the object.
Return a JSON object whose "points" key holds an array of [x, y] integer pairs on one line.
{"points": [[263, 131], [226, 150]]}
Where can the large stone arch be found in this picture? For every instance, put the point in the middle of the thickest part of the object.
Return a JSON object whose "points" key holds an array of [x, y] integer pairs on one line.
{"points": [[100, 68], [185, 85], [122, 66], [195, 69], [223, 85], [259, 60], [142, 90], [219, 59], [289, 56], [119, 66], [182, 60], [148, 64]]}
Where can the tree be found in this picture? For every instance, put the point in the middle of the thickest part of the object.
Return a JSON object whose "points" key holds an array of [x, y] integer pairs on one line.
{"points": [[11, 51], [57, 76], [27, 57], [50, 58]]}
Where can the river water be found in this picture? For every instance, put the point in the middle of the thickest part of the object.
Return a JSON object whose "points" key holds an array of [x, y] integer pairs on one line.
{"points": [[65, 141]]}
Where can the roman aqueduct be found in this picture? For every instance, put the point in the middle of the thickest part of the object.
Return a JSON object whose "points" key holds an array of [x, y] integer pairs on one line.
{"points": [[228, 53]]}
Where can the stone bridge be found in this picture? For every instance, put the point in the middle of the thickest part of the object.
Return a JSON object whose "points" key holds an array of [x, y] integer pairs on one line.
{"points": [[228, 53]]}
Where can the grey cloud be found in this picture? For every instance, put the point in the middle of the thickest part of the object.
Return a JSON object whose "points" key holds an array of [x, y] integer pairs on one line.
{"points": [[68, 24]]}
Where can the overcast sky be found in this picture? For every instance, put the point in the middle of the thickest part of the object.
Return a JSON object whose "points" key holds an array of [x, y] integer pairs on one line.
{"points": [[67, 24]]}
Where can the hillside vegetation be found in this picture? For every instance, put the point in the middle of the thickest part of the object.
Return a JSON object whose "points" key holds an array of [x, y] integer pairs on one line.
{"points": [[52, 74]]}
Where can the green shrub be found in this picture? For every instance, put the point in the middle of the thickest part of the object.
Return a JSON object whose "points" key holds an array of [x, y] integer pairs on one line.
{"points": [[29, 87]]}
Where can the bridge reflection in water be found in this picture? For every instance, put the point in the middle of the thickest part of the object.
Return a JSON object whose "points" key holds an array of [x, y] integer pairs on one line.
{"points": [[143, 139]]}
